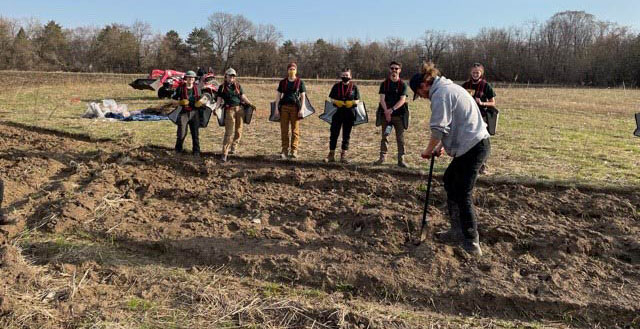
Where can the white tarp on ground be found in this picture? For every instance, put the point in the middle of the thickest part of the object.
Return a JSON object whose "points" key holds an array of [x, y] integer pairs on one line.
{"points": [[96, 110]]}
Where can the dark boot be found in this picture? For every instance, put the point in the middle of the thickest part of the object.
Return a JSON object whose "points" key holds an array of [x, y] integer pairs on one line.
{"points": [[380, 160], [454, 233], [401, 162], [343, 156], [472, 246], [331, 157]]}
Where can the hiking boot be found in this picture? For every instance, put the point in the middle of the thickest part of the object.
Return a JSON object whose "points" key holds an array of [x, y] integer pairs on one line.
{"points": [[484, 170], [5, 220], [283, 156], [294, 155], [472, 246], [196, 154], [233, 149], [380, 160], [223, 158], [343, 156], [454, 233], [331, 157], [401, 162]]}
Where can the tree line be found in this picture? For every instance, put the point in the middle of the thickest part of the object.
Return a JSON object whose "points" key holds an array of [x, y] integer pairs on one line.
{"points": [[571, 47]]}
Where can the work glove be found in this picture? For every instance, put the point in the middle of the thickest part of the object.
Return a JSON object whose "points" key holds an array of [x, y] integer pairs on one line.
{"points": [[184, 102], [338, 103], [349, 104]]}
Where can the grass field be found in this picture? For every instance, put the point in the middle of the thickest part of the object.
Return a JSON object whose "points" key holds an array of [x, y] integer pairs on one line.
{"points": [[116, 234], [557, 135]]}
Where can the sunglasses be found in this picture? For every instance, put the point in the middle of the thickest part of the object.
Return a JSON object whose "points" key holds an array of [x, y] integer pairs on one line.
{"points": [[394, 68]]}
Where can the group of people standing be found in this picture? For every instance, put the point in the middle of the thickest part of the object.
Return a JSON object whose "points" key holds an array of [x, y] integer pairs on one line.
{"points": [[458, 126]]}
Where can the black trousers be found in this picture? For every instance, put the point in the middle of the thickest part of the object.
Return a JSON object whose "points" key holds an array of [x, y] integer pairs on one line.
{"points": [[1, 194], [344, 119], [459, 180], [190, 120]]}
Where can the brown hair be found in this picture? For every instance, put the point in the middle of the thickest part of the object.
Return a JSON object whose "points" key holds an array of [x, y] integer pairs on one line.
{"points": [[292, 64], [429, 71], [395, 63]]}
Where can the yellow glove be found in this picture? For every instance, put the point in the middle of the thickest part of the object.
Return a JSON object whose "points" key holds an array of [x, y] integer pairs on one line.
{"points": [[198, 104], [184, 102], [338, 103], [349, 104]]}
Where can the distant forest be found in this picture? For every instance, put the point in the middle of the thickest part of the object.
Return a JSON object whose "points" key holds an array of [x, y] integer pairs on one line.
{"points": [[570, 48]]}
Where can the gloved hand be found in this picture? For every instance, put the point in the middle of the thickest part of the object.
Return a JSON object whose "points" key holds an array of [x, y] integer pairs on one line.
{"points": [[184, 102], [349, 104], [338, 103]]}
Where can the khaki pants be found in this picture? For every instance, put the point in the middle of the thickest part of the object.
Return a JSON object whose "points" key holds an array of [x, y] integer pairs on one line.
{"points": [[289, 117], [233, 119], [398, 127]]}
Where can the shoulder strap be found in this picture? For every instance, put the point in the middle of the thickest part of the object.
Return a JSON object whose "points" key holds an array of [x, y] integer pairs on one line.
{"points": [[296, 85]]}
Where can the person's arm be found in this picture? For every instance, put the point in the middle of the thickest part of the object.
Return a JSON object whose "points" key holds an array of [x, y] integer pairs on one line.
{"points": [[400, 103], [433, 148], [244, 99], [383, 103], [490, 103], [302, 100]]}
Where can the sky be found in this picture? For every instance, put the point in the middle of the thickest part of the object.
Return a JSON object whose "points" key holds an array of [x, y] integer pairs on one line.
{"points": [[331, 20]]}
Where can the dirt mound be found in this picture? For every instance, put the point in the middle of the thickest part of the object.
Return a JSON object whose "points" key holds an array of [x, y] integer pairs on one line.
{"points": [[561, 255]]}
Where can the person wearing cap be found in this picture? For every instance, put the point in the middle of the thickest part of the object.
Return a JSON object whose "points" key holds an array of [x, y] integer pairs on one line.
{"points": [[393, 112], [4, 219], [483, 94], [457, 128], [345, 96], [188, 95], [232, 95], [290, 96]]}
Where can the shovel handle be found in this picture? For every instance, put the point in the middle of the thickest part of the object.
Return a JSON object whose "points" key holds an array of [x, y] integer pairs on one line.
{"points": [[423, 232]]}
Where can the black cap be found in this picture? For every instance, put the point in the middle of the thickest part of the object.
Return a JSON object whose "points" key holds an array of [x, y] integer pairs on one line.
{"points": [[415, 82]]}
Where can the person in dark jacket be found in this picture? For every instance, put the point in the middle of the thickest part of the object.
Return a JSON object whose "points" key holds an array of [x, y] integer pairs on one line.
{"points": [[188, 95], [345, 96], [457, 128], [482, 92]]}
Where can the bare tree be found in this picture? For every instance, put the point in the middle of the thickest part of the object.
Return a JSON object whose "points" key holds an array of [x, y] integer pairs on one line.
{"points": [[434, 44], [227, 30]]}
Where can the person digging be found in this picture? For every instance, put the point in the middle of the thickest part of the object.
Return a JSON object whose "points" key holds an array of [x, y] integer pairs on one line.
{"points": [[457, 128]]}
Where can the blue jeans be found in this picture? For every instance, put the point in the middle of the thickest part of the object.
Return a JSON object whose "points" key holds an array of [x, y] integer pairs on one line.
{"points": [[459, 180]]}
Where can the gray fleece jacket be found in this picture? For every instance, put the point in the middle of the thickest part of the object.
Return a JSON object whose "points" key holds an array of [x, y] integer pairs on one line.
{"points": [[455, 117]]}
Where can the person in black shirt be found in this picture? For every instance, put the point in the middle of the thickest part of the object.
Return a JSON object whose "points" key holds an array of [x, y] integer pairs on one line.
{"points": [[393, 112], [345, 96], [188, 95], [289, 100], [482, 93]]}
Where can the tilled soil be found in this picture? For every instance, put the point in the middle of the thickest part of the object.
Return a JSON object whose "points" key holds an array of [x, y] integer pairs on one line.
{"points": [[558, 255]]}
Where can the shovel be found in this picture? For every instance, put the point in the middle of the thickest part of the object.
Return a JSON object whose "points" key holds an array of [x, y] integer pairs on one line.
{"points": [[423, 231]]}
